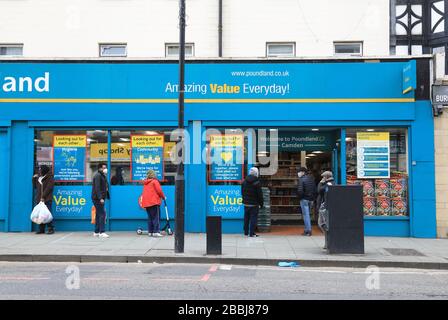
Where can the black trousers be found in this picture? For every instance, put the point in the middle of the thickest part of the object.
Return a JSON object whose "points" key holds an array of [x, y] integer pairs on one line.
{"points": [[250, 220], [100, 217], [50, 224]]}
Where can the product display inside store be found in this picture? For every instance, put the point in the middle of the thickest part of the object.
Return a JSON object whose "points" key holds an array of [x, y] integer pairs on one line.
{"points": [[385, 196]]}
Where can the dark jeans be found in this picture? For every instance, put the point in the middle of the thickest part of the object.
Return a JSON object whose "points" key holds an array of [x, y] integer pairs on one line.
{"points": [[250, 220], [153, 219], [50, 224], [100, 217]]}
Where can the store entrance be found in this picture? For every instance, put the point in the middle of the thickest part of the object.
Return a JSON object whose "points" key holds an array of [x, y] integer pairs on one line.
{"points": [[281, 187]]}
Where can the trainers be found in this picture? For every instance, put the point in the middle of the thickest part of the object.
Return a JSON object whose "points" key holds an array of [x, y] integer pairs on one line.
{"points": [[157, 235], [96, 234], [104, 235], [149, 234], [51, 231]]}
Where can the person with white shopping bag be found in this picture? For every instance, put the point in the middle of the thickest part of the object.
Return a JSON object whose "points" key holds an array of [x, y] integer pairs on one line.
{"points": [[44, 183]]}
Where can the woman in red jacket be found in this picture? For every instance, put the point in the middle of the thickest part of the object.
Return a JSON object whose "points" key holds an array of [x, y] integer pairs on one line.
{"points": [[151, 199]]}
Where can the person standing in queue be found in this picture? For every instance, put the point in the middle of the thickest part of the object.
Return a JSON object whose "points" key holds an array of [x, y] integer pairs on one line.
{"points": [[151, 199], [44, 183], [306, 191], [252, 201], [100, 192]]}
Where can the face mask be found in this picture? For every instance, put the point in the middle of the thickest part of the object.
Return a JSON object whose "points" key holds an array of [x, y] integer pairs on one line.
{"points": [[300, 174], [105, 171]]}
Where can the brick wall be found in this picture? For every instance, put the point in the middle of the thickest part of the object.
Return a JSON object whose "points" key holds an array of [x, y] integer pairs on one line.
{"points": [[441, 146]]}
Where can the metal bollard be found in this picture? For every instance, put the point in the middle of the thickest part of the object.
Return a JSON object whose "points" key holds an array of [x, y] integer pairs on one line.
{"points": [[214, 235]]}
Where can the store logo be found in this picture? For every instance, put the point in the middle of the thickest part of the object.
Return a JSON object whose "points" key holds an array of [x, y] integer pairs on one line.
{"points": [[27, 84]]}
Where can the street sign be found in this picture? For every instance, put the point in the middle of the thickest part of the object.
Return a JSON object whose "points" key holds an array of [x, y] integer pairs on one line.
{"points": [[440, 95]]}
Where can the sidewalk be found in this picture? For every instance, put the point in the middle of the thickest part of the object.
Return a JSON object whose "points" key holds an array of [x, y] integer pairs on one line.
{"points": [[237, 249]]}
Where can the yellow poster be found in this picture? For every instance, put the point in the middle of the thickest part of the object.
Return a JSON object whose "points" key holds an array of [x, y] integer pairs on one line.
{"points": [[228, 140], [147, 141], [67, 141], [169, 147], [119, 152], [372, 136]]}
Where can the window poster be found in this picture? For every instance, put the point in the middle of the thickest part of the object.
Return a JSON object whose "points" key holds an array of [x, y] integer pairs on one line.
{"points": [[147, 154], [69, 157], [373, 155], [226, 157]]}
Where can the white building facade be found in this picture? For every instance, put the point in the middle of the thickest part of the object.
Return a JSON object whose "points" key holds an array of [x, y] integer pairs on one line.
{"points": [[306, 28]]}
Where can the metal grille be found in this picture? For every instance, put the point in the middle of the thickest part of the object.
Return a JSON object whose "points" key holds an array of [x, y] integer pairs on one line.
{"points": [[403, 252]]}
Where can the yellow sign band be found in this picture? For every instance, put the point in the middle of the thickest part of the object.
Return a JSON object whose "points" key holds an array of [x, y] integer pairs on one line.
{"points": [[141, 101], [70, 141]]}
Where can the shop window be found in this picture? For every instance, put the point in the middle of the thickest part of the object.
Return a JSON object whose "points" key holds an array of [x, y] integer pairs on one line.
{"points": [[69, 154], [348, 48], [113, 50], [122, 165], [281, 49], [74, 155], [172, 50], [11, 50], [377, 159]]}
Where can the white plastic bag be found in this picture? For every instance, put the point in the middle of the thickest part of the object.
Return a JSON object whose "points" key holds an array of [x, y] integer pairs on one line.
{"points": [[41, 214]]}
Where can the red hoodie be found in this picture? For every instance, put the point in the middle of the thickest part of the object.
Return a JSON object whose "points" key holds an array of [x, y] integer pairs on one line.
{"points": [[152, 193]]}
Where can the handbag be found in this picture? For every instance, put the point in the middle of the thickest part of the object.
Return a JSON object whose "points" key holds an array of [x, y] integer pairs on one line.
{"points": [[93, 214], [322, 220], [140, 201]]}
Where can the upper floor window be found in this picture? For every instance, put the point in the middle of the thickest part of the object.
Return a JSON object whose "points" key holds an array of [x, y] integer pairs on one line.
{"points": [[113, 50], [172, 50], [11, 50], [348, 48], [285, 49]]}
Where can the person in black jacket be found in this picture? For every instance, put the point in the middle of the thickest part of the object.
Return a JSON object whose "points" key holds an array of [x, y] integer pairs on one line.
{"points": [[306, 191], [100, 192], [252, 201], [44, 183]]}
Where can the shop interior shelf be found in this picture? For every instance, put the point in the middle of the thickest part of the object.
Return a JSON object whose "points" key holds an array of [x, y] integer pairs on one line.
{"points": [[284, 196], [286, 216], [285, 205]]}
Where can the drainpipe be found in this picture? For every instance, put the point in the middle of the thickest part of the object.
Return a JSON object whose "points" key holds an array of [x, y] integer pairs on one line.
{"points": [[220, 30]]}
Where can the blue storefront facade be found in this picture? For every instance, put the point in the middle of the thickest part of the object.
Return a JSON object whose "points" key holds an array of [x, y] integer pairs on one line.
{"points": [[102, 108]]}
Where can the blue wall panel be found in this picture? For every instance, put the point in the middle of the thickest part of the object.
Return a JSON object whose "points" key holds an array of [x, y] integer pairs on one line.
{"points": [[124, 202], [195, 184], [4, 181], [301, 111], [389, 228], [232, 226], [423, 172], [22, 153]]}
